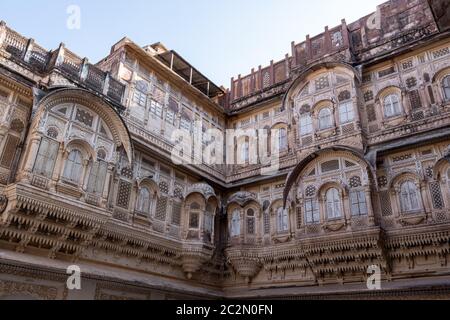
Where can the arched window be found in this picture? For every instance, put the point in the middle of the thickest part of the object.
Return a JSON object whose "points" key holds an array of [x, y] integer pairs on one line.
{"points": [[346, 113], [392, 106], [446, 87], [325, 120], [306, 125], [282, 220], [236, 223], [333, 204], [409, 197], [143, 202], [250, 221], [73, 168], [283, 141]]}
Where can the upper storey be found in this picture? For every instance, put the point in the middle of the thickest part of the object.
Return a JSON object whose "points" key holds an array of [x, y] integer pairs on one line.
{"points": [[60, 67], [393, 28]]}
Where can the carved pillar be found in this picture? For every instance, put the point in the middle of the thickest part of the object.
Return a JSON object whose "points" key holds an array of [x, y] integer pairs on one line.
{"points": [[85, 175], [335, 111], [322, 209], [164, 112], [2, 32], [346, 207], [60, 159], [356, 112], [106, 84], [28, 50], [427, 206], [60, 56], [34, 147], [396, 206], [107, 181], [151, 214], [369, 206], [133, 197], [242, 225]]}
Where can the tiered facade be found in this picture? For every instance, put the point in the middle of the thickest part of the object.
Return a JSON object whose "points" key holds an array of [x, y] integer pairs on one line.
{"points": [[363, 111]]}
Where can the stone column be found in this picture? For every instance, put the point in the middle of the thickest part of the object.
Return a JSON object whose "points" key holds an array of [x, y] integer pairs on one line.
{"points": [[60, 159], [396, 206], [335, 111], [355, 106], [426, 204], [2, 32], [32, 153], [370, 213], [242, 225], [85, 175], [107, 181], [347, 214]]}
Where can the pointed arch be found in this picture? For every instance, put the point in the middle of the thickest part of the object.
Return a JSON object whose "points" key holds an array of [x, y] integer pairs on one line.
{"points": [[295, 173], [86, 99]]}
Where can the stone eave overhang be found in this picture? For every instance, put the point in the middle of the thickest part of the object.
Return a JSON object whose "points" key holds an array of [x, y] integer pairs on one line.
{"points": [[253, 105], [401, 143], [57, 271], [25, 196], [20, 83], [404, 49]]}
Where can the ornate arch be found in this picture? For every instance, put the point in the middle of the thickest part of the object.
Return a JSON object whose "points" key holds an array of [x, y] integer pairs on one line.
{"points": [[301, 79], [83, 146], [295, 173], [384, 92], [441, 165], [151, 184], [340, 185], [203, 189], [106, 112], [404, 175], [440, 74], [243, 199]]}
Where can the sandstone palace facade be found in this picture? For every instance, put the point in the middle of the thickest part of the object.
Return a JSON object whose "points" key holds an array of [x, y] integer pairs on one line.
{"points": [[363, 111]]}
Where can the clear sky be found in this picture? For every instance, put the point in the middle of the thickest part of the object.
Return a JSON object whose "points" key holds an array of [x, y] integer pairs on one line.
{"points": [[221, 38]]}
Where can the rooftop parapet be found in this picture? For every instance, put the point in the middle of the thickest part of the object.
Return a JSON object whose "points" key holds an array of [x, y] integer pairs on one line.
{"points": [[37, 59]]}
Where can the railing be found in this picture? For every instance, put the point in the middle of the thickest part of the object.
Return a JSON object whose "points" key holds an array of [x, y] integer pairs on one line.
{"points": [[36, 58]]}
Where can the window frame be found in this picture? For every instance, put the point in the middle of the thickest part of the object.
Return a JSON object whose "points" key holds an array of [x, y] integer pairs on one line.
{"points": [[235, 224], [407, 207], [141, 205], [358, 201], [100, 165], [445, 83], [312, 213], [156, 109], [349, 110], [393, 112], [75, 177], [335, 202], [329, 117], [306, 125], [282, 220], [46, 158]]}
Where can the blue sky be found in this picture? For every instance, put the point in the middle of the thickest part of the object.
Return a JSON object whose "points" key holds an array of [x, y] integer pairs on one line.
{"points": [[221, 38]]}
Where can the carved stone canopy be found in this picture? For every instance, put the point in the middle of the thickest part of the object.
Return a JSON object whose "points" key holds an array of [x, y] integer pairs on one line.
{"points": [[202, 188], [242, 198]]}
